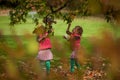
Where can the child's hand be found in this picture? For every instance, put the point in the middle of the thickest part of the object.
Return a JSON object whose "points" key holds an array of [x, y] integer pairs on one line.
{"points": [[67, 31], [42, 38], [66, 36]]}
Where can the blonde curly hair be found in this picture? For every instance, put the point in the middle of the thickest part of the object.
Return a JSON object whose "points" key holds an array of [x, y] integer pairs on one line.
{"points": [[40, 29]]}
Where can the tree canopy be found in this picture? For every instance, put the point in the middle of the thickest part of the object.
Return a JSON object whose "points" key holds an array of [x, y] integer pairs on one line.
{"points": [[65, 9]]}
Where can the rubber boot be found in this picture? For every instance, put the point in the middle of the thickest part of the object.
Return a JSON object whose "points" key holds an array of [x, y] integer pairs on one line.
{"points": [[47, 63], [72, 63]]}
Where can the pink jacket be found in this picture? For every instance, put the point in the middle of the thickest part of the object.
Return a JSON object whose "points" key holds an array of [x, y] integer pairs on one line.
{"points": [[45, 43], [75, 41]]}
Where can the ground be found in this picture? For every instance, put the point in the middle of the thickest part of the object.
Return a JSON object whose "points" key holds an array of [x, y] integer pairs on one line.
{"points": [[18, 52]]}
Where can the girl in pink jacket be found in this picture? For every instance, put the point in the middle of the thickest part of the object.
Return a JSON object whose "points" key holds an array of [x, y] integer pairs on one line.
{"points": [[74, 39], [44, 53]]}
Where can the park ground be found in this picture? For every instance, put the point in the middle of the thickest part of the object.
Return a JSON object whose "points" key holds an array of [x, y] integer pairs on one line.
{"points": [[20, 49]]}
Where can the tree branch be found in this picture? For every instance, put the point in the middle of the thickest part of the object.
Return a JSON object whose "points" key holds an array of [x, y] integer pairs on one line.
{"points": [[54, 11]]}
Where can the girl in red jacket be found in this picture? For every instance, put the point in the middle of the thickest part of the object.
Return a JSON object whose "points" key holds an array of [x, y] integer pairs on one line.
{"points": [[44, 53], [74, 39]]}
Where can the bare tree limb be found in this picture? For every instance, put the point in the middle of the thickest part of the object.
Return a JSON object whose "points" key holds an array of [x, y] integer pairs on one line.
{"points": [[66, 3]]}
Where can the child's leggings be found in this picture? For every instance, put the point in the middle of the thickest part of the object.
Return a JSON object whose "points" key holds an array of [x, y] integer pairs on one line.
{"points": [[74, 62], [46, 64]]}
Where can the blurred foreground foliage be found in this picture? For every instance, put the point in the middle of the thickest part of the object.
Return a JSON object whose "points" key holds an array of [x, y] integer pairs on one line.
{"points": [[18, 59]]}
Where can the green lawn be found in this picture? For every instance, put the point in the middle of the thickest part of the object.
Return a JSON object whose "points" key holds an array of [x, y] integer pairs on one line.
{"points": [[91, 26]]}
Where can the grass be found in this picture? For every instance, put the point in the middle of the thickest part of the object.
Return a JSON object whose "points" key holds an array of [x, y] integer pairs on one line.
{"points": [[91, 26]]}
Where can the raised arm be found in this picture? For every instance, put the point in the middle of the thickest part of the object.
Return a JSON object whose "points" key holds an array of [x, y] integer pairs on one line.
{"points": [[39, 39], [68, 29]]}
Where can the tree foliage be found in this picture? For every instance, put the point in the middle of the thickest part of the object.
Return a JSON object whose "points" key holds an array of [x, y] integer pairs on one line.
{"points": [[64, 9]]}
